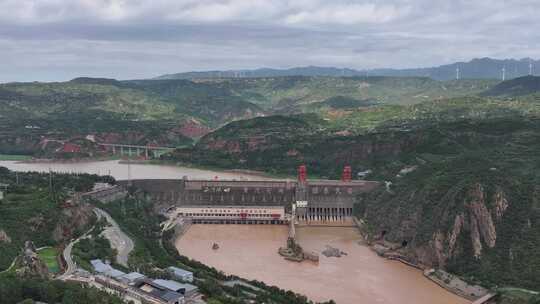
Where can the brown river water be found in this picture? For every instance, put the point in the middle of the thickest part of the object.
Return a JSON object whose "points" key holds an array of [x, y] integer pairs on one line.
{"points": [[250, 251], [121, 171]]}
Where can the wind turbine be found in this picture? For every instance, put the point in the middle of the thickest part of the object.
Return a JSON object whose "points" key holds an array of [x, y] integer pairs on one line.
{"points": [[457, 73], [530, 68], [504, 73]]}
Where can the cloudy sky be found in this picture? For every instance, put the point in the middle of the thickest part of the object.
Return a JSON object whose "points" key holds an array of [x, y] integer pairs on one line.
{"points": [[50, 40]]}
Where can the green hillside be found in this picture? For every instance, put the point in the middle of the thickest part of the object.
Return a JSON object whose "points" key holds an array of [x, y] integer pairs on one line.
{"points": [[174, 112], [31, 211], [282, 92], [327, 140], [471, 206]]}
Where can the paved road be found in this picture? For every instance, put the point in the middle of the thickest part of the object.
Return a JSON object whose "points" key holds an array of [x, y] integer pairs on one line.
{"points": [[71, 266], [119, 240]]}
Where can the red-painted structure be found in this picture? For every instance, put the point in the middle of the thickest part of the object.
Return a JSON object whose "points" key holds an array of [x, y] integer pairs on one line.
{"points": [[71, 148], [347, 174], [302, 174]]}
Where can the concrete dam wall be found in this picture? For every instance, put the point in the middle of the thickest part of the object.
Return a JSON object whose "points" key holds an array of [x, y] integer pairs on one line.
{"points": [[320, 199]]}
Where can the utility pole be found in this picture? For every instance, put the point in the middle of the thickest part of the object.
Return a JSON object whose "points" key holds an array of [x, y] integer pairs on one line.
{"points": [[129, 173], [51, 190], [50, 180]]}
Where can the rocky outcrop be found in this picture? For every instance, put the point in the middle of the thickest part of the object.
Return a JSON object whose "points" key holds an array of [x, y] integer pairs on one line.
{"points": [[194, 129], [72, 219], [454, 233], [4, 237], [501, 204], [474, 223], [31, 264], [481, 221], [439, 249]]}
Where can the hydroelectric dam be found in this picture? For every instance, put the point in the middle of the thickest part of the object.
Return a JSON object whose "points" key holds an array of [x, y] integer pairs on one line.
{"points": [[258, 202]]}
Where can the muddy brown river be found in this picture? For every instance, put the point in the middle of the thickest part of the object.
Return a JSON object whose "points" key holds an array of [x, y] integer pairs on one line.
{"points": [[121, 171], [250, 251]]}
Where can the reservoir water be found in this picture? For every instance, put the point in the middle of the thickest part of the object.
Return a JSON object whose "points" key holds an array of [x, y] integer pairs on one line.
{"points": [[121, 171], [250, 251]]}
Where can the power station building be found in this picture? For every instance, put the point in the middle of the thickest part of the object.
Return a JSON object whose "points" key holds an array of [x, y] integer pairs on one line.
{"points": [[256, 201]]}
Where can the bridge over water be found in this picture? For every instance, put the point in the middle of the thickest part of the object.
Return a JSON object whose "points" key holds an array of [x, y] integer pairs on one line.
{"points": [[136, 150]]}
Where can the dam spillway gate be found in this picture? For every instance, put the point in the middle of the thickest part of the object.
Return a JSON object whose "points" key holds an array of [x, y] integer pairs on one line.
{"points": [[257, 201]]}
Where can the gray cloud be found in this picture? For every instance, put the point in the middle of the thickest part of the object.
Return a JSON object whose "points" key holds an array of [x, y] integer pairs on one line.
{"points": [[60, 39]]}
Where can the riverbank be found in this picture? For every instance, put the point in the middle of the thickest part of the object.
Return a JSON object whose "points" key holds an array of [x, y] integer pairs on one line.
{"points": [[32, 160], [447, 281], [15, 157]]}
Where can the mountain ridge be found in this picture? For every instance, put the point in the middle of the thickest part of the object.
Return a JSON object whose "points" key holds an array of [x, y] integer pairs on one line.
{"points": [[477, 68]]}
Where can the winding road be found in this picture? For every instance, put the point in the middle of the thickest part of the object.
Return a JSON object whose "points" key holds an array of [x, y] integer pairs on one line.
{"points": [[119, 240], [66, 254]]}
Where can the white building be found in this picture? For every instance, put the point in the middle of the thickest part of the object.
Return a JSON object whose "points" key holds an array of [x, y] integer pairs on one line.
{"points": [[100, 267], [233, 213], [181, 274], [106, 269]]}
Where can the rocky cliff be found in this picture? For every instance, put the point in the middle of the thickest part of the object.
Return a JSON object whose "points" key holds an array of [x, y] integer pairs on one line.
{"points": [[473, 210], [72, 221]]}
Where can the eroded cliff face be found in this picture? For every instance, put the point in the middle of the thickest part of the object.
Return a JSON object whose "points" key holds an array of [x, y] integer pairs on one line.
{"points": [[475, 224], [72, 220], [470, 214]]}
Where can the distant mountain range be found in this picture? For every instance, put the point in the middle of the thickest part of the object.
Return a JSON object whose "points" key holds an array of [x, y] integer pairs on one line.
{"points": [[482, 68]]}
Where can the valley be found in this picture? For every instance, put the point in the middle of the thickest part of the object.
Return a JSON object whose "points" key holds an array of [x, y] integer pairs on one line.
{"points": [[456, 171], [269, 152]]}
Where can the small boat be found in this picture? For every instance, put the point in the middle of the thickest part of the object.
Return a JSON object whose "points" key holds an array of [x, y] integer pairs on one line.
{"points": [[215, 246]]}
